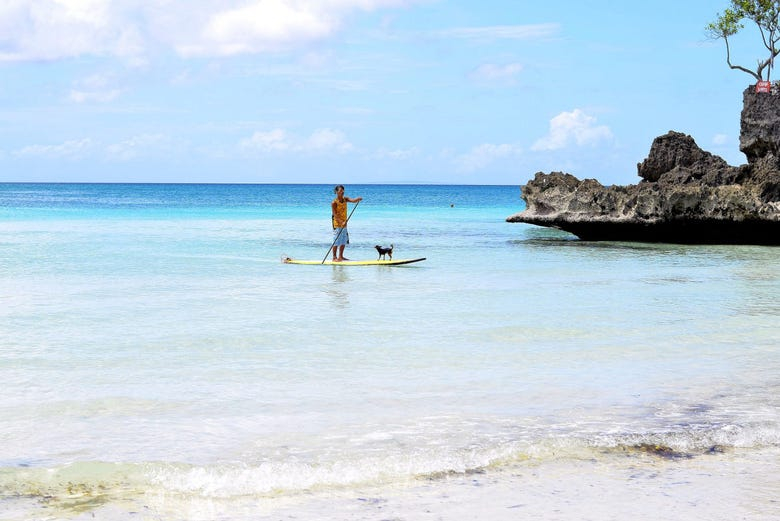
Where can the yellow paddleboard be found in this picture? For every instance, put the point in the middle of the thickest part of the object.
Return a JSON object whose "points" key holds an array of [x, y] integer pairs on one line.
{"points": [[381, 262]]}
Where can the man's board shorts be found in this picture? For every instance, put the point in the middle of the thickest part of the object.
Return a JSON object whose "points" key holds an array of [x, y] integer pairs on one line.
{"points": [[340, 237]]}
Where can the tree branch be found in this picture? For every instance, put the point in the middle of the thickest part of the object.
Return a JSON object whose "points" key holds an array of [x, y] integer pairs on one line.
{"points": [[743, 69], [763, 36], [757, 76], [769, 62]]}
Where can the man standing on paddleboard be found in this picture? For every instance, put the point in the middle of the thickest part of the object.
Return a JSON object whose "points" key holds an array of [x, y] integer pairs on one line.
{"points": [[339, 217]]}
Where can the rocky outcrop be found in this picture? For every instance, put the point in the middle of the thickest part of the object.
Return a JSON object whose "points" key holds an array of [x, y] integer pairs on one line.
{"points": [[759, 134], [686, 195]]}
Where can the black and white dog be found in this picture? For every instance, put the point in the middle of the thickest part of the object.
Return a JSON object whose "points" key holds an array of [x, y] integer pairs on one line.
{"points": [[384, 251]]}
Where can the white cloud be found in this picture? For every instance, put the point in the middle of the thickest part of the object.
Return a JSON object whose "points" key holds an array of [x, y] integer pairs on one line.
{"points": [[398, 154], [323, 140], [504, 32], [573, 127], [96, 88], [76, 149], [270, 25], [720, 140], [274, 140], [491, 73], [262, 26], [484, 155], [73, 149], [54, 29], [137, 146], [82, 96], [57, 29]]}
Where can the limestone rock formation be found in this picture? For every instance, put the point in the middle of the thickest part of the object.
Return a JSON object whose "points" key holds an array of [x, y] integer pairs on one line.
{"points": [[686, 195]]}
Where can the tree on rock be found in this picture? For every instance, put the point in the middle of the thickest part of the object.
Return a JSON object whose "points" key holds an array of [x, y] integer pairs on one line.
{"points": [[766, 15]]}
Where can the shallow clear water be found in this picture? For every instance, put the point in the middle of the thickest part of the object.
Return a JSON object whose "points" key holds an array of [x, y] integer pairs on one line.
{"points": [[153, 344]]}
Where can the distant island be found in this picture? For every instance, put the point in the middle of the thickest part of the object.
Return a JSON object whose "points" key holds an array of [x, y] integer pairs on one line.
{"points": [[686, 195]]}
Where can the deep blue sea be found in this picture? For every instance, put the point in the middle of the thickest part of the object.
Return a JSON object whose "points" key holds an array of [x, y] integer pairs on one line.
{"points": [[158, 361]]}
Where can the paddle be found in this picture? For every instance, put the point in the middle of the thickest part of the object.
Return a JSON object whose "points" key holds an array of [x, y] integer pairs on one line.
{"points": [[339, 234]]}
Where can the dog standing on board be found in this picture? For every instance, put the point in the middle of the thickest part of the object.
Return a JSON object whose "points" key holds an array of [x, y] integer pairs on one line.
{"points": [[384, 251]]}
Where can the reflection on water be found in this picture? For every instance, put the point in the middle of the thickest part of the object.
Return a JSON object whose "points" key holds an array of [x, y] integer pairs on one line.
{"points": [[337, 290]]}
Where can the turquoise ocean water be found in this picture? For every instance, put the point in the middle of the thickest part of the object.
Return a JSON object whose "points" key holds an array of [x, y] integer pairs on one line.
{"points": [[158, 361]]}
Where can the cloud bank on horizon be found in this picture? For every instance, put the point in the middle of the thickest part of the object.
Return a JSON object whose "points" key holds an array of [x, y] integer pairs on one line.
{"points": [[347, 90]]}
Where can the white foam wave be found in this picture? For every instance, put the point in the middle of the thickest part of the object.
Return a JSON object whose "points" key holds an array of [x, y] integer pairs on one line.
{"points": [[290, 474], [291, 477]]}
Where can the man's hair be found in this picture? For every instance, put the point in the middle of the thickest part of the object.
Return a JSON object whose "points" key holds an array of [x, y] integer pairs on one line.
{"points": [[337, 188]]}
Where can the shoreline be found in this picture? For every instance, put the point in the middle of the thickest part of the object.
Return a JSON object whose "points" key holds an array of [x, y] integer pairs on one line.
{"points": [[738, 484]]}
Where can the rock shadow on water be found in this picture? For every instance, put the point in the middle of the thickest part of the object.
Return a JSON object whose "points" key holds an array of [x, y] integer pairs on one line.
{"points": [[665, 452]]}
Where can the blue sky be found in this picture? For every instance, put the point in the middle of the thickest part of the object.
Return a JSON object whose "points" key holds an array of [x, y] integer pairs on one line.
{"points": [[358, 91]]}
